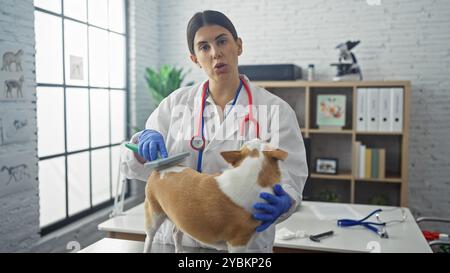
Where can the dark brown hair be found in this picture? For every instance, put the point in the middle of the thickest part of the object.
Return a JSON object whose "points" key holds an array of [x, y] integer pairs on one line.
{"points": [[207, 18]]}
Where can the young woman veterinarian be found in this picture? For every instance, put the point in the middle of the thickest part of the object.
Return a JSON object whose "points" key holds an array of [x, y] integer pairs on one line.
{"points": [[220, 114]]}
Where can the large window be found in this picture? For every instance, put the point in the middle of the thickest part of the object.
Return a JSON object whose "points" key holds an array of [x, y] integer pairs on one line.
{"points": [[81, 74]]}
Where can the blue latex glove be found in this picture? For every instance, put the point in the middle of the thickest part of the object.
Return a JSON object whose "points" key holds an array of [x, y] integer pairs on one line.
{"points": [[150, 143], [277, 205]]}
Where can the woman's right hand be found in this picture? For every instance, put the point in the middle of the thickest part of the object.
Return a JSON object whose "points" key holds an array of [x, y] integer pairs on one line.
{"points": [[150, 143]]}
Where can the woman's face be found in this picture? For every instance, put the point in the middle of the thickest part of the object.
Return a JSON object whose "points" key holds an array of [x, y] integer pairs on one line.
{"points": [[216, 52]]}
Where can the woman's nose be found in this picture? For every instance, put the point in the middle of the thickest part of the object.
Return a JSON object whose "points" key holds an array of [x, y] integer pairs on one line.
{"points": [[216, 53]]}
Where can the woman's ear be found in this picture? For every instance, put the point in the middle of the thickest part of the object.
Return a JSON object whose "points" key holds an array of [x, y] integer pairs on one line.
{"points": [[194, 60], [239, 44]]}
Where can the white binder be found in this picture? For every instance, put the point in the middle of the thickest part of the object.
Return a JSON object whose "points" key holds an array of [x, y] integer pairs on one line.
{"points": [[362, 161], [361, 109], [356, 151], [385, 110], [373, 109], [397, 109]]}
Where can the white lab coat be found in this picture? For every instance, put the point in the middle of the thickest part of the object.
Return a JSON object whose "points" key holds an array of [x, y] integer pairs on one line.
{"points": [[176, 118]]}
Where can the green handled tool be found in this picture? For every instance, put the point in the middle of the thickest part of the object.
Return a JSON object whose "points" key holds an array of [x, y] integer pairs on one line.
{"points": [[132, 146]]}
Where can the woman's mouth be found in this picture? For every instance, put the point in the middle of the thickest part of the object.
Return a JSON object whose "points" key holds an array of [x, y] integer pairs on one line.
{"points": [[220, 67]]}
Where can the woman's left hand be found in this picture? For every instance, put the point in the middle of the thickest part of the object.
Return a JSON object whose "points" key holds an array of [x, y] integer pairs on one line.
{"points": [[277, 205]]}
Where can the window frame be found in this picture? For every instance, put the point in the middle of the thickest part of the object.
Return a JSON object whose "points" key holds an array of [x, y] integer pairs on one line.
{"points": [[92, 208]]}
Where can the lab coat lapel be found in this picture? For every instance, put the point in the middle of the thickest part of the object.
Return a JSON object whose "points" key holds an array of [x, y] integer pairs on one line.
{"points": [[195, 108], [229, 129], [191, 116]]}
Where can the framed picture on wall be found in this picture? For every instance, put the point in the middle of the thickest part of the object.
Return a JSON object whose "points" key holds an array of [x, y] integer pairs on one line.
{"points": [[326, 165], [331, 111]]}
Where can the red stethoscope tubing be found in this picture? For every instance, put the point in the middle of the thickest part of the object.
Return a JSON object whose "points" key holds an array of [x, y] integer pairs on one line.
{"points": [[248, 118]]}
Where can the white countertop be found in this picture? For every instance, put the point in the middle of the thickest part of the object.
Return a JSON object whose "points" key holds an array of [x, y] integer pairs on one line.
{"points": [[110, 245], [403, 237]]}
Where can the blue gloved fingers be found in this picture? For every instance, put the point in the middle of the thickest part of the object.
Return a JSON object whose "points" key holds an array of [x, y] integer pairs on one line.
{"points": [[141, 145], [283, 196], [145, 150], [263, 217], [153, 150], [141, 148], [162, 149], [264, 206], [263, 226], [272, 199], [278, 190], [150, 143]]}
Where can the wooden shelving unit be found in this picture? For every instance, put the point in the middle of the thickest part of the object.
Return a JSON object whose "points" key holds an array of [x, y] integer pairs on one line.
{"points": [[304, 109]]}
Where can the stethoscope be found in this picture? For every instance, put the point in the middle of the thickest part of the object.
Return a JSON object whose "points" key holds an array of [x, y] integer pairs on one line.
{"points": [[198, 140], [373, 226]]}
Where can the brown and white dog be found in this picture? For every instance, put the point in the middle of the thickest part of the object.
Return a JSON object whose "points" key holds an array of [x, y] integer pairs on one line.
{"points": [[213, 209]]}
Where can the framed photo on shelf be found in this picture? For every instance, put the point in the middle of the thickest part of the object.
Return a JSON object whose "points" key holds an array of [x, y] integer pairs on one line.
{"points": [[331, 111], [326, 165]]}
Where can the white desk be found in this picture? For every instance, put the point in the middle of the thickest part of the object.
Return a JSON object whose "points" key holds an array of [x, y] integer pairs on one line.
{"points": [[403, 237], [110, 245], [129, 226]]}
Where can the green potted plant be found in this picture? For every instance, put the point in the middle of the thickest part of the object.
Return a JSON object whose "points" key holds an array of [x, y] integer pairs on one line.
{"points": [[380, 200], [329, 196], [163, 82]]}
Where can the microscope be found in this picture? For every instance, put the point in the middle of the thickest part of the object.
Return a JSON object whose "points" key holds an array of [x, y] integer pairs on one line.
{"points": [[347, 67]]}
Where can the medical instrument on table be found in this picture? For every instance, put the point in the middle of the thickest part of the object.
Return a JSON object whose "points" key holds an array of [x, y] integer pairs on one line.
{"points": [[162, 163], [373, 226], [198, 140], [286, 234], [318, 237]]}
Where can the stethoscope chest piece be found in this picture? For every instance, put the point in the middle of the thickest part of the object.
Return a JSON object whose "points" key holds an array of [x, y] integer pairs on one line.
{"points": [[197, 143]]}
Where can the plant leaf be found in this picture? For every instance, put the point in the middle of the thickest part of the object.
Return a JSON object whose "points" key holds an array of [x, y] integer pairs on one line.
{"points": [[164, 81]]}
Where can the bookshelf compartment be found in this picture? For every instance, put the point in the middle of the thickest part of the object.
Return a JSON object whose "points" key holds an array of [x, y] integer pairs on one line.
{"points": [[392, 144], [377, 193], [332, 146], [327, 190], [346, 91], [295, 97]]}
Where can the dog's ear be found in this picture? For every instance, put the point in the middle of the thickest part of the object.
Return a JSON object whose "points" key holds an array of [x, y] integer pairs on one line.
{"points": [[276, 154], [232, 157]]}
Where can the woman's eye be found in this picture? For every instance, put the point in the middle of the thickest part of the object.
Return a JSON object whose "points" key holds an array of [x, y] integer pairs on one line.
{"points": [[221, 42], [204, 47]]}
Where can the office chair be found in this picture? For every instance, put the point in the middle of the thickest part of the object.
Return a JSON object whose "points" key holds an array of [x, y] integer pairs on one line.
{"points": [[436, 243]]}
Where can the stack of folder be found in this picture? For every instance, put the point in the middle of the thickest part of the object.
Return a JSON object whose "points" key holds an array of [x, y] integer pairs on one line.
{"points": [[370, 162], [379, 110]]}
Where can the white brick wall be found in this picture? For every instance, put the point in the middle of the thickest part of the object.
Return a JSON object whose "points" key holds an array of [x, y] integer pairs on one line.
{"points": [[144, 37], [400, 39], [19, 211]]}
